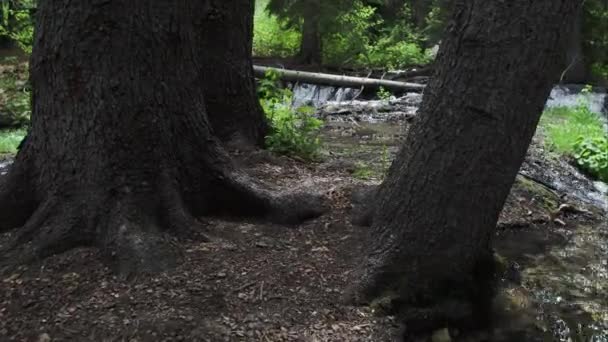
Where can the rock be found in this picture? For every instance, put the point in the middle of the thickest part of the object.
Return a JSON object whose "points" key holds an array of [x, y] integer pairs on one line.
{"points": [[442, 335], [44, 338]]}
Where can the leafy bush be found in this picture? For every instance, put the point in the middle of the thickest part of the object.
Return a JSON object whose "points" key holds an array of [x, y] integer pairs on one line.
{"points": [[600, 70], [579, 133], [10, 140], [383, 94], [293, 132], [16, 22], [270, 37], [591, 154], [364, 40]]}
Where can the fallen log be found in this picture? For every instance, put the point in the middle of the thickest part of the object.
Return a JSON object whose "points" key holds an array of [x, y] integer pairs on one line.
{"points": [[337, 80]]}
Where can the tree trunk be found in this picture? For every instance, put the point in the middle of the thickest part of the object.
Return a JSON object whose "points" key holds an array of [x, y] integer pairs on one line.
{"points": [[435, 214], [121, 154], [576, 64], [232, 104], [311, 45]]}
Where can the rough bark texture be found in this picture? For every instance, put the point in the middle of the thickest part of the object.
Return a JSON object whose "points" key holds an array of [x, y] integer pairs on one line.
{"points": [[121, 154], [576, 70], [436, 212], [232, 104], [311, 45]]}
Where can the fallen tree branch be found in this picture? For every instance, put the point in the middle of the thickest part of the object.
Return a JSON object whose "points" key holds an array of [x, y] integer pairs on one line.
{"points": [[337, 80]]}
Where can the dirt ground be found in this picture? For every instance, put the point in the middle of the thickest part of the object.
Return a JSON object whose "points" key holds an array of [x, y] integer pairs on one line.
{"points": [[254, 282]]}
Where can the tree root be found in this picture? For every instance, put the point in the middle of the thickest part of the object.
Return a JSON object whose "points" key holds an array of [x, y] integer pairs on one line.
{"points": [[239, 195], [16, 199], [429, 298]]}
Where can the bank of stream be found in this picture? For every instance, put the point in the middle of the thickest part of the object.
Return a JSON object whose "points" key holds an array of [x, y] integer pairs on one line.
{"points": [[555, 285]]}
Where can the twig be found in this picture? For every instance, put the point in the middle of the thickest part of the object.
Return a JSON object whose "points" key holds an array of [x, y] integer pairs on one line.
{"points": [[244, 286], [262, 291]]}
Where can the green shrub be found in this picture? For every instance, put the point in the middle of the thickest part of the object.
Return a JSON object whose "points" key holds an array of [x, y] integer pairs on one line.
{"points": [[383, 94], [10, 140], [600, 70], [270, 37], [294, 132], [363, 39], [591, 154], [578, 133], [16, 22]]}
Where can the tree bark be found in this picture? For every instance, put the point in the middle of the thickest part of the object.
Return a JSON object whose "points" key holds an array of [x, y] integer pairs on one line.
{"points": [[121, 154], [232, 104], [311, 46], [576, 63], [435, 214]]}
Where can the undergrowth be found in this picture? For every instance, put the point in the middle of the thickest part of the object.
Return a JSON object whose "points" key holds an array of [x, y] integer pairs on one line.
{"points": [[15, 94], [293, 131], [580, 134], [10, 140], [270, 37]]}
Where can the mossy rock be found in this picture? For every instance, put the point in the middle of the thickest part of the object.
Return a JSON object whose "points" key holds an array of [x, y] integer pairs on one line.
{"points": [[546, 198]]}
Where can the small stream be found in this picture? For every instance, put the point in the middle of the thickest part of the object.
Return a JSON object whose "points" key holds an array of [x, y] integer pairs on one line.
{"points": [[564, 271]]}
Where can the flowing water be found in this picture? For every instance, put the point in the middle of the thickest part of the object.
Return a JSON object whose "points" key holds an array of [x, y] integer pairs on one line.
{"points": [[563, 270]]}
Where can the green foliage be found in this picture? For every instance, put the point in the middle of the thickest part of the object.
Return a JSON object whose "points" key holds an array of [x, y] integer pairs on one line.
{"points": [[270, 37], [595, 34], [16, 22], [591, 154], [15, 95], [600, 70], [363, 39], [383, 94], [564, 126], [293, 132], [579, 133], [10, 140], [363, 172]]}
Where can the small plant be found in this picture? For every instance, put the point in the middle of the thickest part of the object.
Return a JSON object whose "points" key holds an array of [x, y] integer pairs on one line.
{"points": [[383, 94], [564, 125], [591, 155], [363, 172], [385, 161], [579, 133], [16, 22], [293, 131], [10, 140], [270, 37]]}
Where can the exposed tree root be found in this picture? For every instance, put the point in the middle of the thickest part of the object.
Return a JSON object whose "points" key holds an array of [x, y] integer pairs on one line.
{"points": [[239, 195], [136, 232], [426, 298], [17, 202]]}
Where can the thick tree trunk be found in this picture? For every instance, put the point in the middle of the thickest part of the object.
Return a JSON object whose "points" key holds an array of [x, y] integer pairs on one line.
{"points": [[311, 46], [435, 214], [576, 64], [232, 104], [121, 154]]}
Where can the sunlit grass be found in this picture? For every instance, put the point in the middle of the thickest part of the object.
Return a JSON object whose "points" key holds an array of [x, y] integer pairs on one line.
{"points": [[10, 140], [562, 127]]}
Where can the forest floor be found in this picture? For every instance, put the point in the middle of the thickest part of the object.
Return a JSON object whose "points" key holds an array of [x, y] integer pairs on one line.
{"points": [[266, 282]]}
